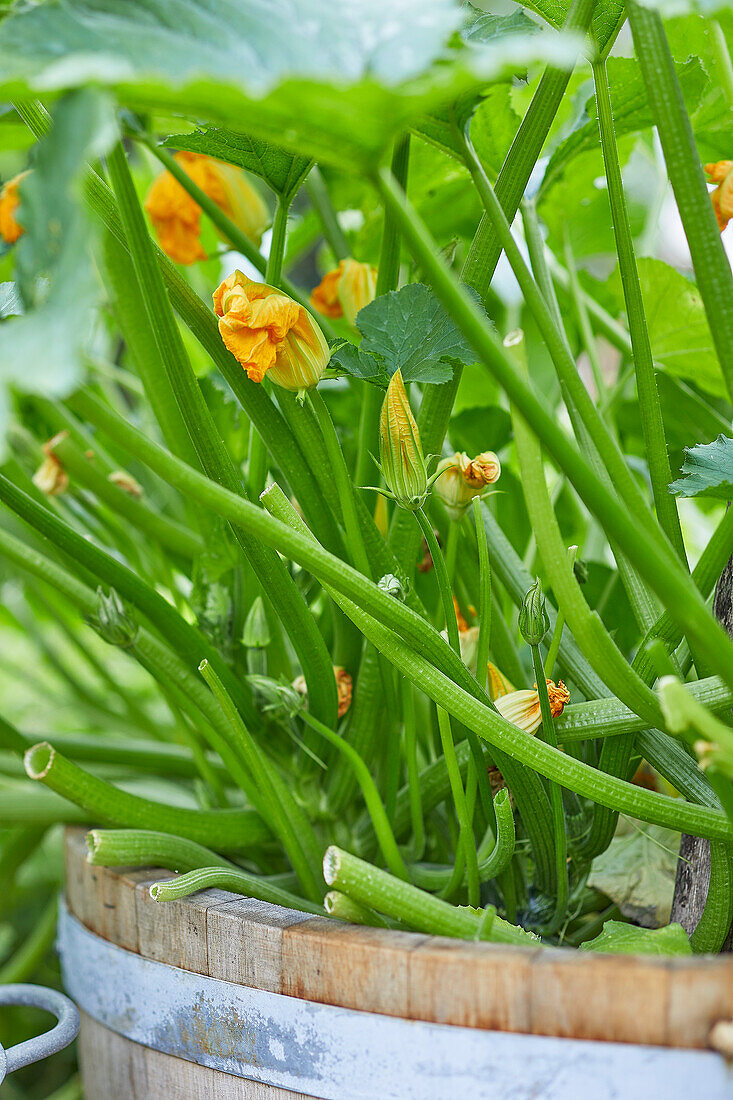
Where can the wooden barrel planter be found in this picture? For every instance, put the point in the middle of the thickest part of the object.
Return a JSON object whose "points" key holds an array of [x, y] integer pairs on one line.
{"points": [[220, 997]]}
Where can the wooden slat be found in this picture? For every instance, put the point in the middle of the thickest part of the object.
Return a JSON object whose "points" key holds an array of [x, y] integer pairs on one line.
{"points": [[245, 942], [619, 998], [471, 985], [175, 931], [700, 994], [352, 966]]}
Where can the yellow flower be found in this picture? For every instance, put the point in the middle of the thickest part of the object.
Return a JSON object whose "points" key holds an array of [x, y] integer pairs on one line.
{"points": [[462, 478], [176, 217], [10, 229], [722, 197], [497, 682], [522, 708], [51, 477], [266, 331], [400, 450], [345, 290]]}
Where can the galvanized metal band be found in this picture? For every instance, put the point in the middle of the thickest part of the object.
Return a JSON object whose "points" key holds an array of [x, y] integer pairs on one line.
{"points": [[342, 1054]]}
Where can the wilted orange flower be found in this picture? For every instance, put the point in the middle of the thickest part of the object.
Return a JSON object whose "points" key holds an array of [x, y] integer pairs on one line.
{"points": [[176, 217], [463, 478], [460, 617], [265, 330], [10, 229], [522, 708], [722, 197], [344, 686], [51, 477], [345, 290], [126, 481]]}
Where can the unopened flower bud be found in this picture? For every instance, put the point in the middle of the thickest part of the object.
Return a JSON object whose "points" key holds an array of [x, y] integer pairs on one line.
{"points": [[268, 333], [10, 228], [462, 478], [345, 290], [344, 688], [393, 586], [400, 450], [281, 700], [51, 476], [112, 621], [534, 621], [256, 634]]}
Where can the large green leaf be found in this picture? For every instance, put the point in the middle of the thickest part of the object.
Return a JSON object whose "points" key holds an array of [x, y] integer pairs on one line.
{"points": [[631, 111], [300, 74], [608, 17], [707, 470], [283, 171], [618, 938], [406, 330], [41, 351], [678, 328]]}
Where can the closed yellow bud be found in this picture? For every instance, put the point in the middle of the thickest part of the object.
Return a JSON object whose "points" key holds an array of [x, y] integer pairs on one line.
{"points": [[462, 478], [722, 197], [345, 290], [400, 450], [176, 217], [10, 229], [522, 708], [268, 333]]}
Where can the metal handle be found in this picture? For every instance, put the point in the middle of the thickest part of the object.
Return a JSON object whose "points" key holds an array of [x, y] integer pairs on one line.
{"points": [[51, 1042]]}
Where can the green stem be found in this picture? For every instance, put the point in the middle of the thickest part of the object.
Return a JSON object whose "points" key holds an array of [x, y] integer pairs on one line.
{"points": [[723, 62], [273, 271], [712, 267], [388, 278], [490, 866], [288, 820], [558, 814], [584, 327], [24, 963], [235, 880], [341, 907], [468, 840], [417, 909], [225, 830], [484, 607], [650, 409], [554, 646], [376, 810], [443, 581], [413, 772], [332, 231], [146, 848]]}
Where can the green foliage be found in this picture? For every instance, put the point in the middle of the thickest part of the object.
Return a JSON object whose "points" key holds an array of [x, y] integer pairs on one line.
{"points": [[405, 330], [637, 872], [283, 171], [618, 938], [707, 470]]}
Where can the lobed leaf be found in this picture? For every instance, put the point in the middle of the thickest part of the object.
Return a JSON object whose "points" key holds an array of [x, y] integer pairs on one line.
{"points": [[708, 471], [284, 172]]}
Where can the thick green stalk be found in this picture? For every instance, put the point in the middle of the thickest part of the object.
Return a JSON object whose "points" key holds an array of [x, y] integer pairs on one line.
{"points": [[655, 562], [146, 848], [223, 830], [417, 909], [468, 841], [650, 409], [558, 814], [129, 307], [282, 812], [513, 178], [341, 907], [413, 772], [443, 581], [388, 278], [271, 572], [712, 267], [484, 607], [235, 880], [491, 865]]}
